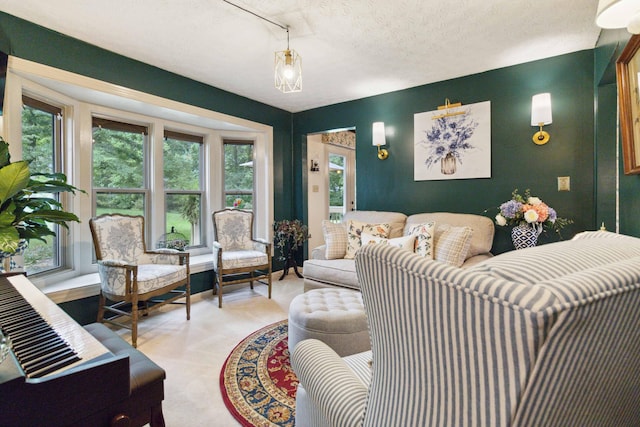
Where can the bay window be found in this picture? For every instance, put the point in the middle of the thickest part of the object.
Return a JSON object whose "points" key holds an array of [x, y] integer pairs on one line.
{"points": [[132, 153]]}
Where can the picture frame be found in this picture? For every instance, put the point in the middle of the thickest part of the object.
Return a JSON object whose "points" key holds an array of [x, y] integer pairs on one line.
{"points": [[628, 80], [453, 142]]}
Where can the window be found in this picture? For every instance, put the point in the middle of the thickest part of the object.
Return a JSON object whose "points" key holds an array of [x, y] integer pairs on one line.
{"points": [[41, 147], [119, 158], [238, 174], [182, 160]]}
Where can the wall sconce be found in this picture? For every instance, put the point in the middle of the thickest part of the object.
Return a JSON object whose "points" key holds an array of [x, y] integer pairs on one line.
{"points": [[540, 116], [380, 139], [619, 14]]}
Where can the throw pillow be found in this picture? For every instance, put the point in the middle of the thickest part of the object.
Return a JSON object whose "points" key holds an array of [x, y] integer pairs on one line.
{"points": [[405, 243], [452, 244], [424, 234], [355, 230], [335, 239]]}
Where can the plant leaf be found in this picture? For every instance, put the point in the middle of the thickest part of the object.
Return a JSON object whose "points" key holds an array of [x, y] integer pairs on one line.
{"points": [[14, 177], [9, 239], [50, 215], [5, 157]]}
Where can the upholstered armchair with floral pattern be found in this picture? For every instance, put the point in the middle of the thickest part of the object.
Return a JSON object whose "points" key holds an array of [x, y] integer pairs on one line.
{"points": [[131, 275], [237, 256]]}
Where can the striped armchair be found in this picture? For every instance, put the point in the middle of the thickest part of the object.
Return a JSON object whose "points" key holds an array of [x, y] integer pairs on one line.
{"points": [[547, 336]]}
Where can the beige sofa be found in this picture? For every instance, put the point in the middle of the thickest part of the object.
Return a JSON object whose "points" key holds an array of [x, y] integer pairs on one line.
{"points": [[320, 272]]}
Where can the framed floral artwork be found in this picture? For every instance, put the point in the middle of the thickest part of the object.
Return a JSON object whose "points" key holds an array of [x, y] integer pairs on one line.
{"points": [[627, 73], [453, 143]]}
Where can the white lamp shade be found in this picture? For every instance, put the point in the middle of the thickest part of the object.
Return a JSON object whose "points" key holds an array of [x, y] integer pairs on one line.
{"points": [[378, 134], [541, 109], [616, 13], [288, 71]]}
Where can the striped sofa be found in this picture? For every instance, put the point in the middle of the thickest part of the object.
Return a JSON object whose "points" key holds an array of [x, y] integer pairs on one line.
{"points": [[547, 336]]}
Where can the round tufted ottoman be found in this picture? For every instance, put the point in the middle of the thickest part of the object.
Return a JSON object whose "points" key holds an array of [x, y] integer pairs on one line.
{"points": [[335, 316]]}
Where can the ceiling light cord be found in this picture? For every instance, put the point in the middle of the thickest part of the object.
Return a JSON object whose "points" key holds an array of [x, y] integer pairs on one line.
{"points": [[287, 63], [261, 17]]}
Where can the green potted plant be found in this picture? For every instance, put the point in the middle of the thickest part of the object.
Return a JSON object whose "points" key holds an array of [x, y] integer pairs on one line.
{"points": [[27, 208]]}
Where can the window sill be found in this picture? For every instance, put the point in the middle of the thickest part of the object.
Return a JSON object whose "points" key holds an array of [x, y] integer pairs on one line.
{"points": [[88, 285]]}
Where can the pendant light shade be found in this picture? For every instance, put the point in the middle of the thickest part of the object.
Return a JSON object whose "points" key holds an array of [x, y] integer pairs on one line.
{"points": [[288, 70]]}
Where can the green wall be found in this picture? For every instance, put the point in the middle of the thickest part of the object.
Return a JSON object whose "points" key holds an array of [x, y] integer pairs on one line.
{"points": [[515, 161]]}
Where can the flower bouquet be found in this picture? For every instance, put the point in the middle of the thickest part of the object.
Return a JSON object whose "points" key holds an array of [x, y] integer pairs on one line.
{"points": [[288, 236], [529, 216]]}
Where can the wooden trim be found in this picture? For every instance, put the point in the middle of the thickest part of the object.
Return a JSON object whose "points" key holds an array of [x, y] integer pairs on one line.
{"points": [[40, 105], [628, 94], [181, 136], [119, 126]]}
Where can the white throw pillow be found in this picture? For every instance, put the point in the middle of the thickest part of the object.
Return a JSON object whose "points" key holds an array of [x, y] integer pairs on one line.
{"points": [[452, 244], [424, 234], [335, 239], [405, 243], [355, 230]]}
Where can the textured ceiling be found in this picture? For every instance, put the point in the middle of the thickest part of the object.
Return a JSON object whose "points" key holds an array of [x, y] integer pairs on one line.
{"points": [[350, 48]]}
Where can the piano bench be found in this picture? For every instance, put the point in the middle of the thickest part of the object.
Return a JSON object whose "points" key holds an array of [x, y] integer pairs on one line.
{"points": [[144, 405]]}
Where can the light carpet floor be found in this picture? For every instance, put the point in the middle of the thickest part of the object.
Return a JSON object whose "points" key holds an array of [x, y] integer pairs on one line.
{"points": [[193, 352]]}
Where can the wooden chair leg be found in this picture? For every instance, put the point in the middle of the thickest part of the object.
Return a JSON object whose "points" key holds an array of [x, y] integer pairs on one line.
{"points": [[269, 283], [188, 297], [134, 323], [220, 289]]}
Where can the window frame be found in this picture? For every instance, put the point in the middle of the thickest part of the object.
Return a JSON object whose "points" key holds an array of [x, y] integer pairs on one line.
{"points": [[194, 139], [235, 141], [124, 126], [58, 145]]}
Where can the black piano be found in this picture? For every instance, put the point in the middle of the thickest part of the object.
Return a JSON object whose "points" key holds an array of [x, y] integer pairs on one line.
{"points": [[60, 374]]}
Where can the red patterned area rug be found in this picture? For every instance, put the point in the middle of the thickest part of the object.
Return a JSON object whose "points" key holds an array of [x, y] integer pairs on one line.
{"points": [[257, 383]]}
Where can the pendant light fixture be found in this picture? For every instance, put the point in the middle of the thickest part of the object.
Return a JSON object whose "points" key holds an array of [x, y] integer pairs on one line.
{"points": [[288, 64], [288, 69]]}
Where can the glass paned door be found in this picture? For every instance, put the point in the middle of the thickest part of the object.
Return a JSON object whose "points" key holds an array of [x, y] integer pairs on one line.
{"points": [[337, 193]]}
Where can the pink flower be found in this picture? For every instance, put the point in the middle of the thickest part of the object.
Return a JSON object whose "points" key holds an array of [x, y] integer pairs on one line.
{"points": [[543, 211]]}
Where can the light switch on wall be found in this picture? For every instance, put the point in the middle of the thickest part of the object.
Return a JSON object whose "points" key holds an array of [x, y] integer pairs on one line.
{"points": [[315, 188], [564, 183]]}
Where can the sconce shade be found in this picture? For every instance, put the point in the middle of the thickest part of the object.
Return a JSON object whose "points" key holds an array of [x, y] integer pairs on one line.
{"points": [[378, 138], [378, 134], [541, 109], [619, 14], [540, 116]]}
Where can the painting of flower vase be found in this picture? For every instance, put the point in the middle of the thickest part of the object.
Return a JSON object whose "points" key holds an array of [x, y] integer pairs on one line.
{"points": [[454, 143]]}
